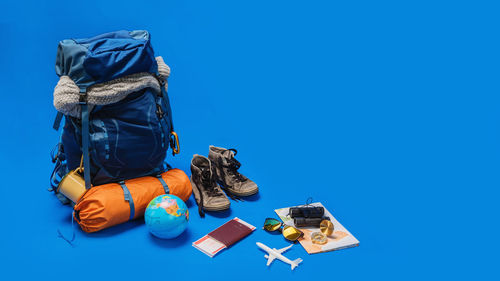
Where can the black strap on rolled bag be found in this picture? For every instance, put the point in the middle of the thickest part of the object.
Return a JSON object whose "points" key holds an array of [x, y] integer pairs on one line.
{"points": [[163, 183], [128, 197]]}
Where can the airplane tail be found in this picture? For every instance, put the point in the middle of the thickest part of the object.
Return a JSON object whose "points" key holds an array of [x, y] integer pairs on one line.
{"points": [[295, 263]]}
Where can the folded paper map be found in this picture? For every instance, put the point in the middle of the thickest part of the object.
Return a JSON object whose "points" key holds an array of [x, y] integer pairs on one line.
{"points": [[340, 239]]}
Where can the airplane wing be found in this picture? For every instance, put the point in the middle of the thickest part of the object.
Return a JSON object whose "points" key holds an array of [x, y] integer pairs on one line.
{"points": [[270, 258], [283, 249]]}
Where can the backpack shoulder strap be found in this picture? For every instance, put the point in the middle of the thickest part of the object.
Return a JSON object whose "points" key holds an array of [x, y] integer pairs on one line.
{"points": [[85, 137], [162, 101], [57, 121]]}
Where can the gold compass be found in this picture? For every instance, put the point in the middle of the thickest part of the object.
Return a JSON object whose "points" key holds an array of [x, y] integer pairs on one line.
{"points": [[326, 227]]}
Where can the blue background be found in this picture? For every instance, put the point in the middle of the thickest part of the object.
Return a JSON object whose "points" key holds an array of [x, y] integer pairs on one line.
{"points": [[385, 111]]}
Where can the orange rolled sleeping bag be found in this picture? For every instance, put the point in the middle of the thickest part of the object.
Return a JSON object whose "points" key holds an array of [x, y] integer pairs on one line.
{"points": [[105, 205]]}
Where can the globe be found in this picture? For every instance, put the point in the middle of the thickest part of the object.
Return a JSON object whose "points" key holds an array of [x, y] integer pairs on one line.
{"points": [[166, 216]]}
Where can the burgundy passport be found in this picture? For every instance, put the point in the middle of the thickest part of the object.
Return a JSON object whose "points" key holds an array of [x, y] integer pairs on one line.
{"points": [[230, 232]]}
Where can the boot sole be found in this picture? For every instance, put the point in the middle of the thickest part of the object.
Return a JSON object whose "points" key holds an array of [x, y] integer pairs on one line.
{"points": [[243, 194], [197, 191]]}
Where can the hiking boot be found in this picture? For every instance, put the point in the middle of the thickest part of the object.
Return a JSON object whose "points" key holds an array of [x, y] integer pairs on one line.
{"points": [[226, 167], [209, 196]]}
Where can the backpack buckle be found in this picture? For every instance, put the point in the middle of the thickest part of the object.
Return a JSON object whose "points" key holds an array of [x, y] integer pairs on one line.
{"points": [[83, 97], [159, 111], [161, 81]]}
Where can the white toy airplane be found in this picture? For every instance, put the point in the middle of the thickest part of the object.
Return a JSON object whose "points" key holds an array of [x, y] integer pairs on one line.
{"points": [[276, 254]]}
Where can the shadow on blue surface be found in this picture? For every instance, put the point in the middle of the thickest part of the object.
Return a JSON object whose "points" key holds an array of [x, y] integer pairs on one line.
{"points": [[117, 229], [220, 214], [179, 241], [189, 202], [252, 198]]}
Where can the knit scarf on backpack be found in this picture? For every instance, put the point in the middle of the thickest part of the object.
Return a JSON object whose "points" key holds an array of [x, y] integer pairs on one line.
{"points": [[67, 93]]}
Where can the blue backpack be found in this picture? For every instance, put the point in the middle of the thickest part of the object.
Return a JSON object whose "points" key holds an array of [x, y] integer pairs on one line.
{"points": [[118, 121]]}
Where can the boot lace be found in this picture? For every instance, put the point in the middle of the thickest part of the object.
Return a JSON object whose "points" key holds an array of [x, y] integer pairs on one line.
{"points": [[209, 183], [232, 167]]}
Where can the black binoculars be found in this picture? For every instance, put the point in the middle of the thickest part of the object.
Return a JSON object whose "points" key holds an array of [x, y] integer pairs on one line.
{"points": [[309, 222], [306, 212]]}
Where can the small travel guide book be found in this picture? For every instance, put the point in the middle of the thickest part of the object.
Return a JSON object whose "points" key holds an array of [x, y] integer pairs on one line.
{"points": [[340, 239], [223, 237]]}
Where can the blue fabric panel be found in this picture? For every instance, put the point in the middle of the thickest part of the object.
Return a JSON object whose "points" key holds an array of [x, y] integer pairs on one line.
{"points": [[108, 59], [134, 138], [105, 57], [110, 35], [70, 139], [168, 109], [126, 139], [69, 61]]}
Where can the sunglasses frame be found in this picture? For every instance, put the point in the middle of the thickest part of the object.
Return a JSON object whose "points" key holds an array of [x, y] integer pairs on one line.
{"points": [[282, 227]]}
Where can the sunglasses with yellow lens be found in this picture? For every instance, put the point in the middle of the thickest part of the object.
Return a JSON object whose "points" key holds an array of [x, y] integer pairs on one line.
{"points": [[289, 232]]}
